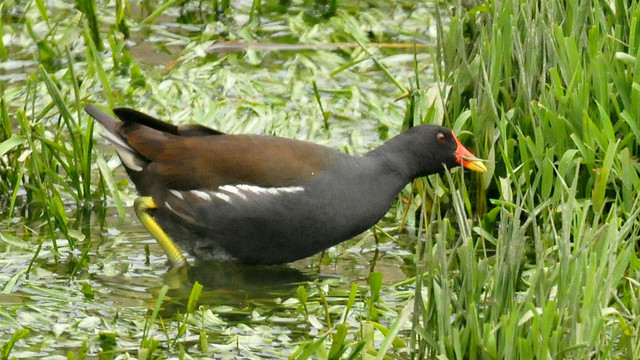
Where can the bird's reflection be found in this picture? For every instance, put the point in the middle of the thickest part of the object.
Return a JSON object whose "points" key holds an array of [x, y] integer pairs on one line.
{"points": [[232, 284]]}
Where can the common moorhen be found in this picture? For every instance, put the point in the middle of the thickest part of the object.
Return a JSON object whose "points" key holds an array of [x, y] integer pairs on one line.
{"points": [[265, 199]]}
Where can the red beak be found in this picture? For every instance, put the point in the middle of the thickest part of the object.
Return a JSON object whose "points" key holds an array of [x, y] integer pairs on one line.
{"points": [[467, 159]]}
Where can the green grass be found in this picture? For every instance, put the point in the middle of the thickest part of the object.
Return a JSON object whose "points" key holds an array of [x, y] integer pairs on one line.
{"points": [[537, 258], [550, 268]]}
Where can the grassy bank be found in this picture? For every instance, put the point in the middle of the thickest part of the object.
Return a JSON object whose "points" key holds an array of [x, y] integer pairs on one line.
{"points": [[551, 269]]}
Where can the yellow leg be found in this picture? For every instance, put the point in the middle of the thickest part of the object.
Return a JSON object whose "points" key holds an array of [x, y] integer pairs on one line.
{"points": [[141, 206]]}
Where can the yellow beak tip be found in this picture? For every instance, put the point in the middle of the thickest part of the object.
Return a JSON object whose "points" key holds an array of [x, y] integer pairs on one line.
{"points": [[476, 165]]}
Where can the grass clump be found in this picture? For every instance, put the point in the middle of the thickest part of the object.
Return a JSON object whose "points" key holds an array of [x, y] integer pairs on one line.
{"points": [[549, 268]]}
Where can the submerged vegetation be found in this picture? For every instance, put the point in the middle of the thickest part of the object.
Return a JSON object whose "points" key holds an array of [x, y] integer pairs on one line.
{"points": [[537, 258]]}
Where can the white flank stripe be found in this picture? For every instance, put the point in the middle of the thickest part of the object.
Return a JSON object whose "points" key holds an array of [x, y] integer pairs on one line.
{"points": [[292, 189], [250, 188], [202, 195], [271, 190], [222, 196], [182, 215], [177, 194], [234, 191], [243, 192]]}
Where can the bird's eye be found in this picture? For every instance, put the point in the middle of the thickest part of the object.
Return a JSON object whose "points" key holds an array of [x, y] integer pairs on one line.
{"points": [[440, 137]]}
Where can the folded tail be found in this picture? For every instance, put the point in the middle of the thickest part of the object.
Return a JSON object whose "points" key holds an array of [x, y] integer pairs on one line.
{"points": [[130, 158]]}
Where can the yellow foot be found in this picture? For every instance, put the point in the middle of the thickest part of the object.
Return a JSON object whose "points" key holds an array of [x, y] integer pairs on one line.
{"points": [[141, 206]]}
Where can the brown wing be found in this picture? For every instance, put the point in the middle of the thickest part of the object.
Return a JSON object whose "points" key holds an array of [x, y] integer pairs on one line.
{"points": [[160, 156], [207, 162]]}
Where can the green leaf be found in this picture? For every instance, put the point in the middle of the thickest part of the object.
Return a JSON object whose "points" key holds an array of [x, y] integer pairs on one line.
{"points": [[193, 297], [398, 323], [12, 142], [602, 177]]}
